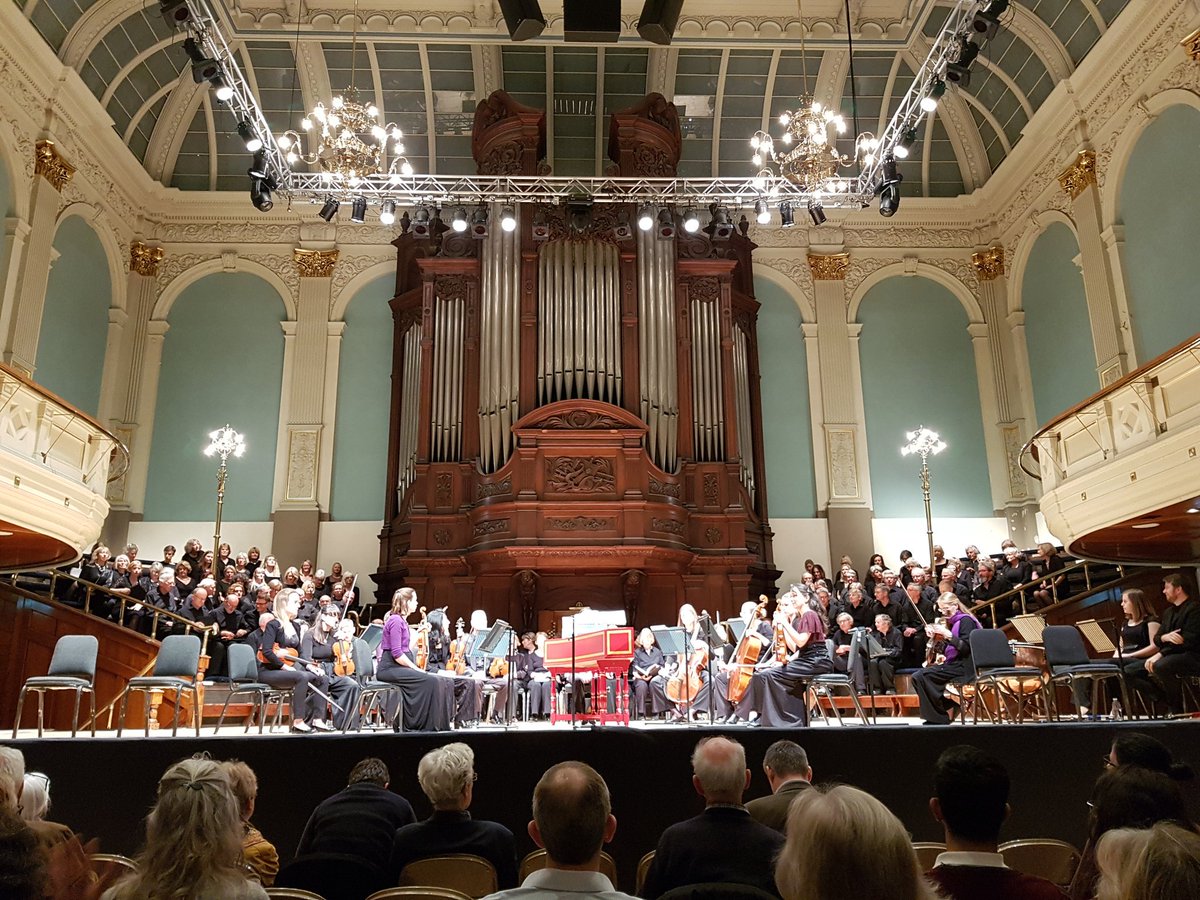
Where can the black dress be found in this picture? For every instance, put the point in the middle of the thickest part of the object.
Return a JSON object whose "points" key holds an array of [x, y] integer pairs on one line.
{"points": [[344, 689], [779, 694], [653, 688], [428, 699]]}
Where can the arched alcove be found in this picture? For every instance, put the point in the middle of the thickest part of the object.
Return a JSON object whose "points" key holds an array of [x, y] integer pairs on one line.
{"points": [[222, 362], [360, 436], [918, 368], [70, 354], [786, 416], [1062, 358], [1161, 238]]}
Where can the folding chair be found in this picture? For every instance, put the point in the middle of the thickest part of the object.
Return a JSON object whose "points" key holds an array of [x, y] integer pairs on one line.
{"points": [[995, 667], [831, 684], [72, 668], [243, 680], [175, 669], [375, 693], [472, 875], [1068, 661]]}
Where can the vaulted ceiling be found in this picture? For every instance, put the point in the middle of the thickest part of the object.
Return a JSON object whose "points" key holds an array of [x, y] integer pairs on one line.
{"points": [[730, 73]]}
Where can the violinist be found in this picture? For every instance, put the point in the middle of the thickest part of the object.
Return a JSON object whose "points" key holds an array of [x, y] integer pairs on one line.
{"points": [[951, 642], [428, 700], [694, 699], [481, 666], [533, 678], [646, 680], [776, 696], [882, 669], [466, 690], [279, 670], [760, 632], [318, 645]]}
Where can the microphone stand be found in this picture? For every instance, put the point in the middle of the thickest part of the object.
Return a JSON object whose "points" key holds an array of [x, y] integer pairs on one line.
{"points": [[512, 666]]}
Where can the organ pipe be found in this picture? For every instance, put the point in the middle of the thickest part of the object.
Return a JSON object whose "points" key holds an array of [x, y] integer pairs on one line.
{"points": [[741, 375], [659, 400], [446, 424], [410, 402], [499, 346], [708, 416]]}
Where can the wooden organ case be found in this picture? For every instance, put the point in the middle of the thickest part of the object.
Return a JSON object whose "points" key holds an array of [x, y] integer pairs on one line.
{"points": [[575, 411]]}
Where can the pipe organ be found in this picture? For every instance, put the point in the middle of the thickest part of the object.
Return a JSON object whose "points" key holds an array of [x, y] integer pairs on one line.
{"points": [[575, 411]]}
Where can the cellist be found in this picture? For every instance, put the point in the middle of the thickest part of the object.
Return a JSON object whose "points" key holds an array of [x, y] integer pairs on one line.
{"points": [[760, 632]]}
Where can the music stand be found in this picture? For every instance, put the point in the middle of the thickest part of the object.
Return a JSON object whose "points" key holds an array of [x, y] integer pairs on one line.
{"points": [[1029, 627], [575, 610], [498, 641], [736, 628], [716, 642], [1095, 634]]}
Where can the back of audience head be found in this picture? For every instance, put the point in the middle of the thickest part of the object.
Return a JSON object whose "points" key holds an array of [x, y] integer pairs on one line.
{"points": [[1159, 863], [22, 873], [786, 761], [12, 761], [719, 770], [970, 794], [1133, 797], [244, 784], [446, 775], [371, 770], [842, 842], [1132, 748], [572, 815], [35, 797]]}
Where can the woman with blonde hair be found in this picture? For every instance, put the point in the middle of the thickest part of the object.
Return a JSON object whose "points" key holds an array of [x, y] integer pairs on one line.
{"points": [[1159, 863], [842, 842], [258, 854], [193, 841]]}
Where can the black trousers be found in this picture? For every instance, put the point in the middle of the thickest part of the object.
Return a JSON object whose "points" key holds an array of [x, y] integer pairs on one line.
{"points": [[930, 685], [1166, 682]]}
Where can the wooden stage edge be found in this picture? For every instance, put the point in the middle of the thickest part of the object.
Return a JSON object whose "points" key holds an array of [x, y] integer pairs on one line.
{"points": [[104, 787]]}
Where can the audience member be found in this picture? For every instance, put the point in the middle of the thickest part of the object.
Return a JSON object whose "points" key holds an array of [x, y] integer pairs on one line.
{"points": [[722, 844], [1132, 748], [788, 773], [971, 803], [572, 821], [1161, 863], [258, 853], [1117, 854], [447, 777], [359, 820], [842, 842], [22, 868]]}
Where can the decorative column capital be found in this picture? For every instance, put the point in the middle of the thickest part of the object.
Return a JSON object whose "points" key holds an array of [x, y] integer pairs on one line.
{"points": [[315, 263], [1191, 44], [1081, 174], [144, 259], [831, 267], [50, 165], [989, 263]]}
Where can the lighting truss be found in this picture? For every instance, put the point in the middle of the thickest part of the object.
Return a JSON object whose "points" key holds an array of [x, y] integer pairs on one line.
{"points": [[473, 190]]}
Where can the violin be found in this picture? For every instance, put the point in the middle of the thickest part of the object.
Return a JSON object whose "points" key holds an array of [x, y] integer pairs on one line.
{"points": [[343, 657], [935, 651], [498, 667], [421, 642], [458, 650], [289, 656]]}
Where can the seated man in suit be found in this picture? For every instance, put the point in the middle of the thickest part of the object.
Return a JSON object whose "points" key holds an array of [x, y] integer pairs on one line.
{"points": [[447, 776], [788, 773], [724, 843]]}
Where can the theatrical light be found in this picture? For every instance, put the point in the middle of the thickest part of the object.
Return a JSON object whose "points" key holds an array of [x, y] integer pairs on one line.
{"points": [[786, 218], [224, 92], [508, 219], [987, 21], [387, 212], [905, 144], [691, 221], [421, 225], [260, 194], [720, 227], [658, 20], [258, 166], [479, 224], [522, 18], [816, 212], [175, 12], [203, 68], [358, 210], [762, 213], [541, 228], [329, 210], [930, 101], [246, 133], [666, 225], [889, 189], [646, 218], [959, 71], [459, 222]]}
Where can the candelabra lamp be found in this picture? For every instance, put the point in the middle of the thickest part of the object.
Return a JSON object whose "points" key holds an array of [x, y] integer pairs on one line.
{"points": [[924, 442]]}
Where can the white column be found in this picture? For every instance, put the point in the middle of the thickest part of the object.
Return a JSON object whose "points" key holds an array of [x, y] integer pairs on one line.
{"points": [[333, 356], [139, 438], [12, 252], [1114, 246], [816, 411], [992, 435]]}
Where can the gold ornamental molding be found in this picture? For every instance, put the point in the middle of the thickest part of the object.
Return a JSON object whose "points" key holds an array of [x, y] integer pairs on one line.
{"points": [[831, 267], [315, 263], [989, 264], [144, 259], [50, 165], [1191, 44], [1080, 176]]}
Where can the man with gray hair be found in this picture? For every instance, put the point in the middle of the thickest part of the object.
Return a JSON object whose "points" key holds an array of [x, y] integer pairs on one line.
{"points": [[788, 773], [723, 844], [447, 776]]}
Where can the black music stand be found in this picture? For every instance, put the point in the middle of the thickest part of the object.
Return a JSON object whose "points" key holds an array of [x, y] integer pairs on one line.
{"points": [[710, 635], [672, 641], [575, 701], [498, 641]]}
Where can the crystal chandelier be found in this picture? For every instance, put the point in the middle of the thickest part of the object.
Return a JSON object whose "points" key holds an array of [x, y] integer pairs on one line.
{"points": [[352, 144]]}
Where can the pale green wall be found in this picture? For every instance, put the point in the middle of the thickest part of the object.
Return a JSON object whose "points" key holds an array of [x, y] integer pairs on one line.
{"points": [[222, 363], [918, 368], [1162, 237], [1062, 358], [787, 422], [70, 354], [360, 439]]}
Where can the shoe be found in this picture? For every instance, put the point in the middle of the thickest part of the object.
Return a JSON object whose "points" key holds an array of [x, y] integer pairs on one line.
{"points": [[731, 719], [302, 728], [322, 725]]}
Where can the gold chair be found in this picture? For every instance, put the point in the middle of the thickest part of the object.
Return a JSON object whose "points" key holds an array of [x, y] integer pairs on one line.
{"points": [[1045, 857], [292, 893], [537, 860], [104, 863], [927, 854], [419, 892], [472, 875], [642, 869]]}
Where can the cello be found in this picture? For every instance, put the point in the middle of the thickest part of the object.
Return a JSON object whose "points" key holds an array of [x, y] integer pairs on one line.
{"points": [[684, 686], [746, 655]]}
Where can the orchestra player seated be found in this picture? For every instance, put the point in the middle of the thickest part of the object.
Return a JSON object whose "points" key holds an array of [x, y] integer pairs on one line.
{"points": [[647, 685], [847, 651], [722, 844], [786, 766], [361, 819], [882, 669], [447, 776]]}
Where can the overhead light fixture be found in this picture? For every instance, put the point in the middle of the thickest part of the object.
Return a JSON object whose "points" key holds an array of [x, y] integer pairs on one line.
{"points": [[905, 144], [329, 210], [658, 20], [786, 217], [816, 212], [421, 228], [246, 133], [591, 21], [959, 71], [175, 13], [986, 22], [260, 194], [691, 221], [459, 222], [622, 230], [522, 18], [223, 91], [646, 218], [479, 224], [721, 228], [387, 212], [358, 210], [889, 189], [541, 228], [508, 219], [762, 212], [666, 224], [204, 68], [936, 91], [258, 165]]}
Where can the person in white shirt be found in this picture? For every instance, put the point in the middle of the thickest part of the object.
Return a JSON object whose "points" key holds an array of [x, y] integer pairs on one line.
{"points": [[572, 821]]}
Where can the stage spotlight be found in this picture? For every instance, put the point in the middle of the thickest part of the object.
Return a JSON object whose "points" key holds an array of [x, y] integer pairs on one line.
{"points": [[666, 225], [591, 21], [720, 227], [904, 146], [479, 224], [658, 20], [508, 219], [646, 218], [930, 101], [691, 221], [387, 212], [329, 210], [260, 194], [762, 213], [621, 229], [459, 222], [175, 12], [358, 210], [987, 21], [204, 68], [223, 91], [522, 18], [421, 227], [246, 133], [541, 228], [816, 212], [889, 188], [959, 71], [258, 165], [786, 217]]}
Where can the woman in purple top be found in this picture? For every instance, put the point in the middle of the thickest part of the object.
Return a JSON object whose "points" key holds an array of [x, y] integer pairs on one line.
{"points": [[930, 683], [428, 699], [777, 697]]}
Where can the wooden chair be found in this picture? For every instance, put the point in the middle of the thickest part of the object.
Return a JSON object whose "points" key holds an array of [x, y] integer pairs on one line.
{"points": [[471, 875], [1045, 857], [419, 892], [537, 860], [927, 854], [292, 893], [642, 869]]}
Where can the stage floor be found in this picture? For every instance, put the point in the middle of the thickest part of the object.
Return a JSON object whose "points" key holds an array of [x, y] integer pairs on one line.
{"points": [[104, 787]]}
